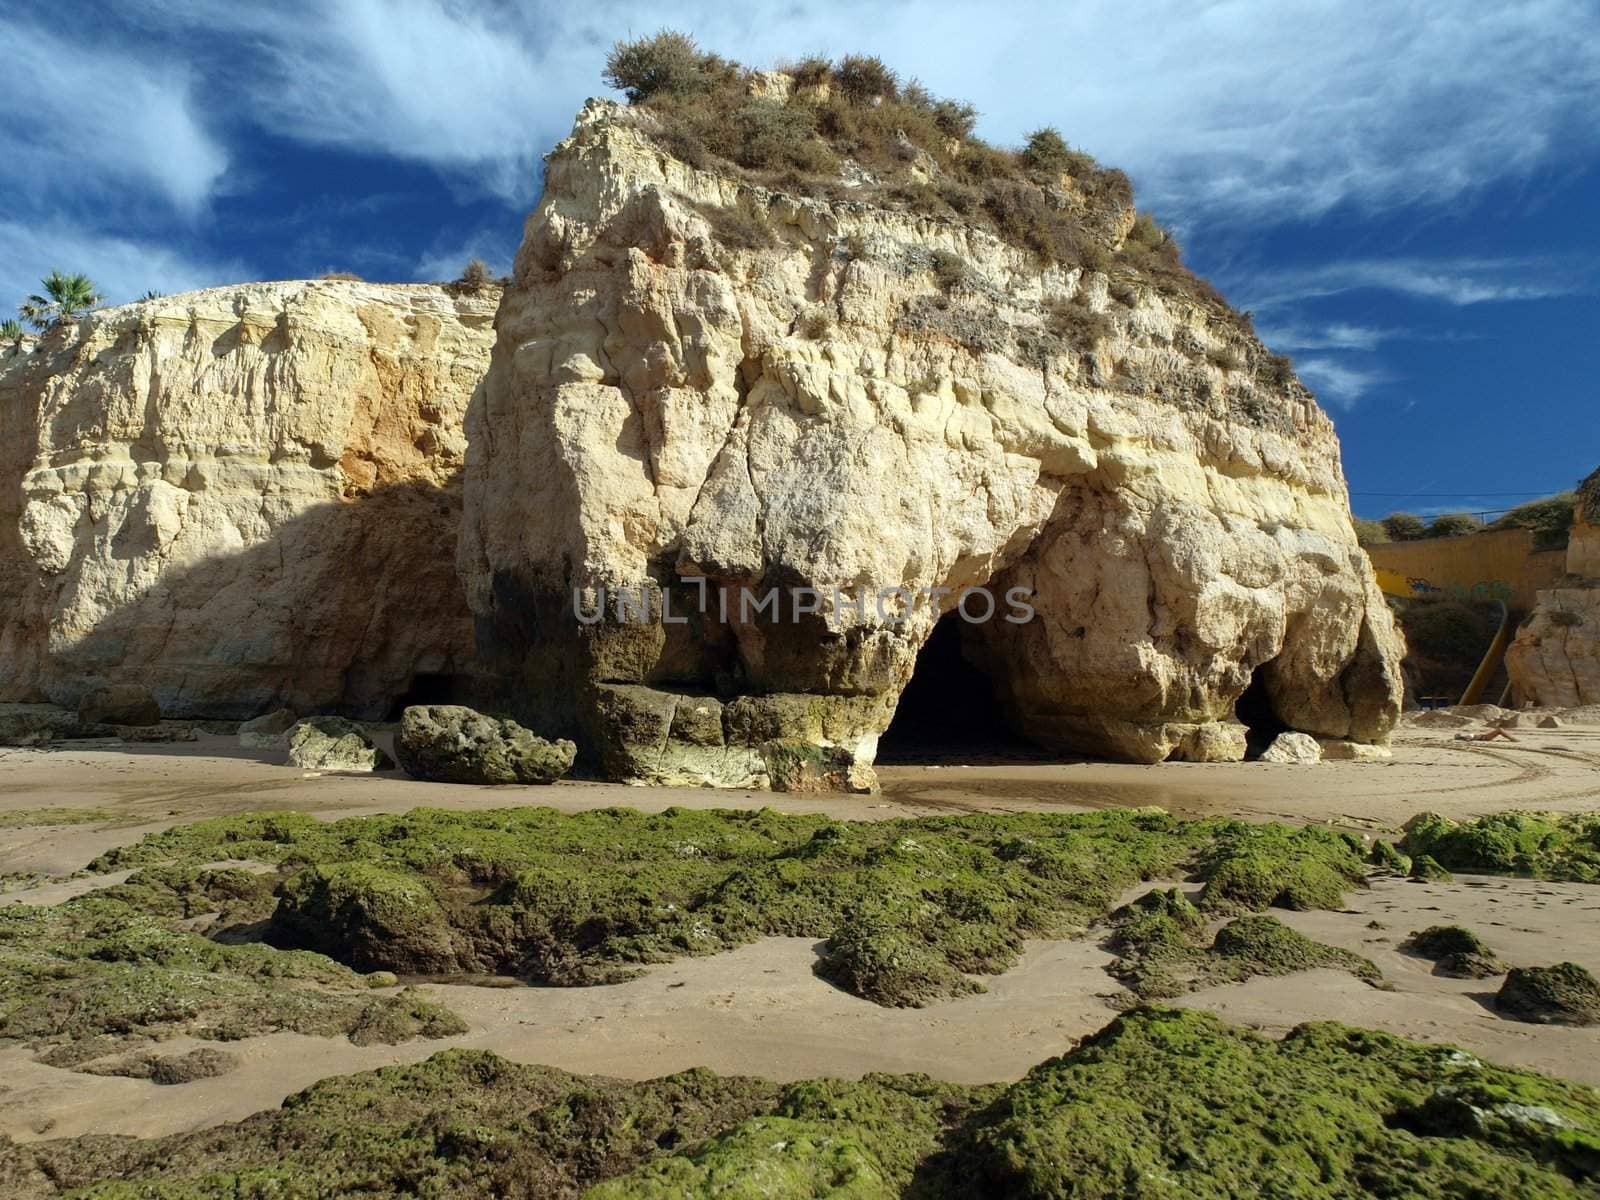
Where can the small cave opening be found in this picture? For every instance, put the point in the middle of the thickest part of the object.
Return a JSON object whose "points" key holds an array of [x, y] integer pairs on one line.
{"points": [[948, 710], [1255, 712], [431, 688]]}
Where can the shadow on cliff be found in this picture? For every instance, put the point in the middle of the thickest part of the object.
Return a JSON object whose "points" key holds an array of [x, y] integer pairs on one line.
{"points": [[350, 606]]}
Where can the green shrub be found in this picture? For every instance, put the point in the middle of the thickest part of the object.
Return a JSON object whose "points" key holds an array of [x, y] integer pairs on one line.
{"points": [[949, 270], [864, 78], [1047, 153], [1550, 520], [1403, 526], [666, 63], [1453, 525]]}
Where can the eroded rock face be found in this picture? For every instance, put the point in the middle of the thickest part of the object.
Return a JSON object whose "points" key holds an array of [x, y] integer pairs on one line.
{"points": [[240, 498], [703, 389], [1555, 660]]}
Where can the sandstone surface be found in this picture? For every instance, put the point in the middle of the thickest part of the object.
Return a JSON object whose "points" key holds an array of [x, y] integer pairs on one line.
{"points": [[240, 498], [1554, 662], [683, 410]]}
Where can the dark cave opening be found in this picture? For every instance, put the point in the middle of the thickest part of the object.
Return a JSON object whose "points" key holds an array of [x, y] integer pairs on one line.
{"points": [[432, 688], [1255, 712], [948, 709]]}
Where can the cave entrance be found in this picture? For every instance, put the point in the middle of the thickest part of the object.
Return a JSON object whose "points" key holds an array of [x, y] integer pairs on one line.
{"points": [[1255, 712], [948, 710], [432, 688]]}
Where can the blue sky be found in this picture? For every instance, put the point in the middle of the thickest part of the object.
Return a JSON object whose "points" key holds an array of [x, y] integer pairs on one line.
{"points": [[1406, 193]]}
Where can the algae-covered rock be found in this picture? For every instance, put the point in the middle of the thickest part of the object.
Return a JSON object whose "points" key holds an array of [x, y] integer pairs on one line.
{"points": [[368, 917], [794, 765], [452, 744], [766, 1156], [1564, 994], [880, 954], [1424, 869], [1385, 854], [334, 744], [1262, 945], [1540, 845], [1456, 952], [1254, 867], [1160, 1104]]}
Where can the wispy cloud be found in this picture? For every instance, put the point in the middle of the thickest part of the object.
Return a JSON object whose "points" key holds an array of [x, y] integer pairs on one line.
{"points": [[1457, 281], [1340, 382], [124, 268], [85, 125]]}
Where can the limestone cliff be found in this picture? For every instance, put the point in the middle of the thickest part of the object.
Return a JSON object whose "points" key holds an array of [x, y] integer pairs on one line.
{"points": [[705, 387], [241, 498], [1555, 659]]}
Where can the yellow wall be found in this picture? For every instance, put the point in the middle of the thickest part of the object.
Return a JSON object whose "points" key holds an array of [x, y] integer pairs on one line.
{"points": [[1498, 565]]}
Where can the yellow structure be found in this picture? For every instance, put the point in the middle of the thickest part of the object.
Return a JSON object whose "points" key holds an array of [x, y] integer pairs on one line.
{"points": [[1498, 564]]}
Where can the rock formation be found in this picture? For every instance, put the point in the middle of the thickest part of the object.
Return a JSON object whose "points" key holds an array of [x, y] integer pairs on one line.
{"points": [[703, 389], [1555, 660], [240, 498]]}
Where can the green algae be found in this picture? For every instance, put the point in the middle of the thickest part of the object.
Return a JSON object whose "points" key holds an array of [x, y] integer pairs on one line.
{"points": [[1386, 855], [1536, 845], [84, 978], [1163, 950], [1426, 869], [27, 818], [1160, 1103], [910, 909]]}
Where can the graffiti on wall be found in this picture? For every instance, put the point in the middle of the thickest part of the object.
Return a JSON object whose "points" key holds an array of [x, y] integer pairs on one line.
{"points": [[1484, 589]]}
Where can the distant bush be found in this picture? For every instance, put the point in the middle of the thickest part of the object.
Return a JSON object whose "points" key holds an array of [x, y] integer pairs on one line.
{"points": [[1549, 520], [475, 276], [1047, 152], [865, 78], [1404, 526], [1453, 525], [346, 276], [1076, 324], [949, 270]]}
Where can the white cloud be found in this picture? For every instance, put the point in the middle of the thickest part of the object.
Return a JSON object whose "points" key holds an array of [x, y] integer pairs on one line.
{"points": [[1457, 281], [1231, 112], [123, 268], [1339, 382], [84, 124], [1336, 336]]}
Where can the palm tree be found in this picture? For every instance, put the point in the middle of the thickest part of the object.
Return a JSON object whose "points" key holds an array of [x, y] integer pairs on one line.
{"points": [[65, 298], [11, 331]]}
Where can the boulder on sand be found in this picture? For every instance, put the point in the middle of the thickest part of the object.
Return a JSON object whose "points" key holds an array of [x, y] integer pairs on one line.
{"points": [[449, 743], [334, 744], [1293, 748]]}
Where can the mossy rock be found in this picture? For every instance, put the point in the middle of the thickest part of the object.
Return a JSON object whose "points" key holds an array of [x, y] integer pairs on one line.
{"points": [[1254, 867], [1263, 945], [1159, 1104], [452, 744], [1425, 870], [334, 744], [1436, 941], [370, 918], [1564, 994], [1538, 845], [1387, 855]]}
